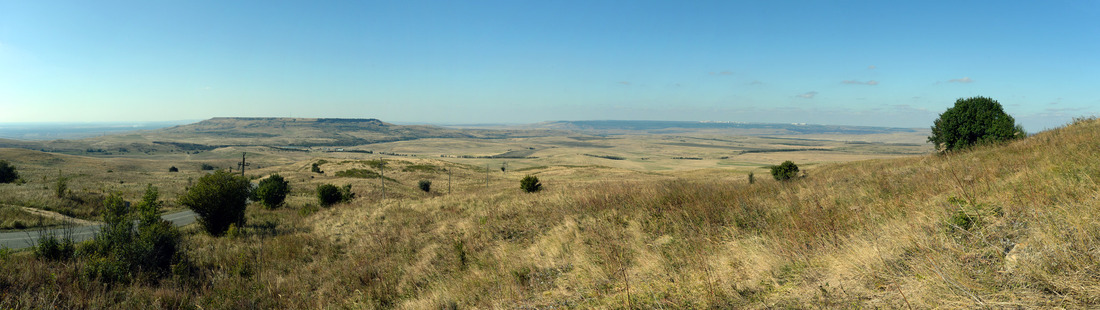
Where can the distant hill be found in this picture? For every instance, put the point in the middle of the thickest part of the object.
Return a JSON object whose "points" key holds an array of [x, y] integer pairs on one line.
{"points": [[314, 132], [54, 131], [253, 131], [626, 126], [311, 132]]}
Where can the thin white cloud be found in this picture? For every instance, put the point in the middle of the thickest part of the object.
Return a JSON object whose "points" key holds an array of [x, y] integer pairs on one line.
{"points": [[872, 67], [725, 72], [964, 80], [908, 108], [854, 82], [1066, 109], [808, 95], [756, 82]]}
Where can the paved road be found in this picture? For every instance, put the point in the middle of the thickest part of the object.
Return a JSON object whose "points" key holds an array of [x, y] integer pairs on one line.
{"points": [[28, 238]]}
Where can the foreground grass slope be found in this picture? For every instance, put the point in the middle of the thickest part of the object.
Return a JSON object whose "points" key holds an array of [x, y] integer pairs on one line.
{"points": [[998, 226], [1009, 225]]}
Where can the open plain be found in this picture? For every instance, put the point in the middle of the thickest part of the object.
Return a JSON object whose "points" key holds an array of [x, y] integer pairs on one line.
{"points": [[629, 219]]}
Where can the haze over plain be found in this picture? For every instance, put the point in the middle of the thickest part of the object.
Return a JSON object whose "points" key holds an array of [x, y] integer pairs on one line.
{"points": [[852, 63]]}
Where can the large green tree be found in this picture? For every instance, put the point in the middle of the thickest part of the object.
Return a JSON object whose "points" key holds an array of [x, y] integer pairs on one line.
{"points": [[219, 199], [973, 121]]}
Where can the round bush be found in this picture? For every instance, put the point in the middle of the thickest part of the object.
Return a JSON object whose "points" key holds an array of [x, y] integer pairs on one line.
{"points": [[272, 191], [328, 194], [785, 171], [219, 199], [425, 185], [530, 184]]}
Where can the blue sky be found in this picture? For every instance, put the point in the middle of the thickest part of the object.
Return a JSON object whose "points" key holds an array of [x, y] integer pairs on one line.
{"points": [[877, 63]]}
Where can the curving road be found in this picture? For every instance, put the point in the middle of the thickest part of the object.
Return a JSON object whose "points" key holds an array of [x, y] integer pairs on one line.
{"points": [[28, 238]]}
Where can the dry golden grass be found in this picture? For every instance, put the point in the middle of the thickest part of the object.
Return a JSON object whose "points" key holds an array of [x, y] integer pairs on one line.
{"points": [[14, 217], [1010, 226]]}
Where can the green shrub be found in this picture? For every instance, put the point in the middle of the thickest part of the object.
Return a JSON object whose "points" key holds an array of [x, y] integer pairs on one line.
{"points": [[219, 199], [316, 168], [752, 178], [963, 220], [328, 194], [170, 169], [358, 173], [120, 250], [307, 210], [157, 241], [973, 121], [51, 247], [530, 184], [272, 191], [206, 167], [785, 171], [61, 187], [419, 168], [346, 194], [106, 270], [7, 172], [425, 185]]}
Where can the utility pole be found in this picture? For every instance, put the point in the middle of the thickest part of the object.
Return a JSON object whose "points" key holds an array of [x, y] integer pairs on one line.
{"points": [[242, 164]]}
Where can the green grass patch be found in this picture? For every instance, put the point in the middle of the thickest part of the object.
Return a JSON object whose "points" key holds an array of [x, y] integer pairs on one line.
{"points": [[531, 168], [13, 217], [420, 168], [362, 174]]}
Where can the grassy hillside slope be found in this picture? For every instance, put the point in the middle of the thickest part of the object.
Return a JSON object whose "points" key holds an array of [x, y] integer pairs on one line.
{"points": [[1000, 226], [1011, 225]]}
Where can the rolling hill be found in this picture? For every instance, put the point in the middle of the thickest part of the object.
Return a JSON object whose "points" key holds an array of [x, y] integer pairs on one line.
{"points": [[1010, 225]]}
